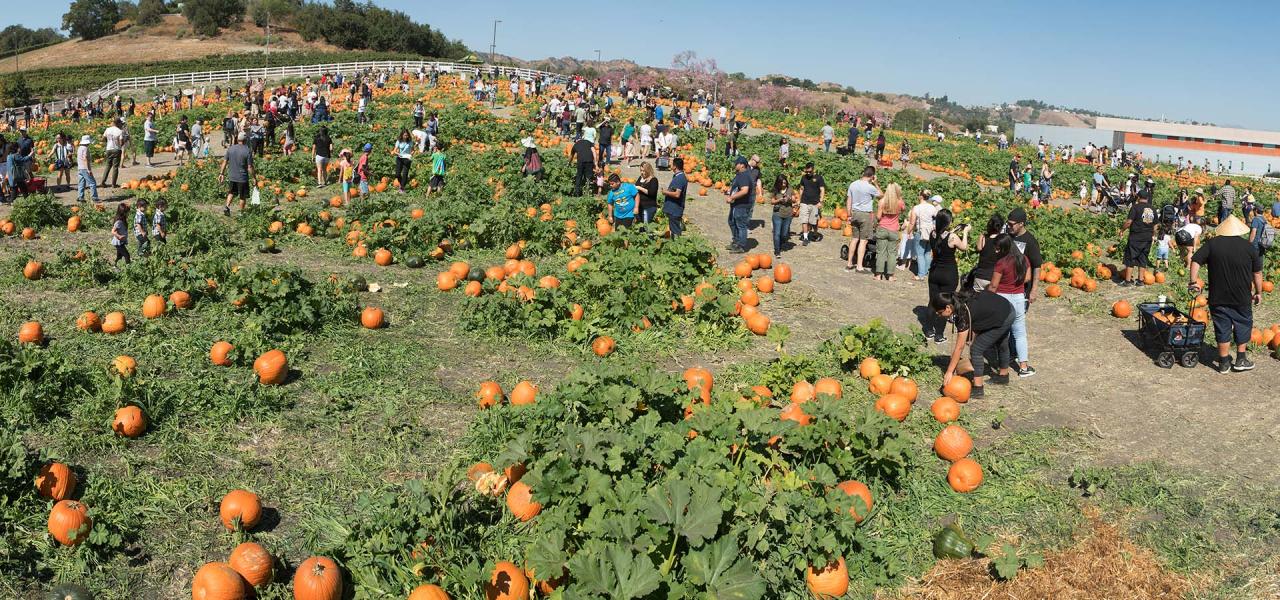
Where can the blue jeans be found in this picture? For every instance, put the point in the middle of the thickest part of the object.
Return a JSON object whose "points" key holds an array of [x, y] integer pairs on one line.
{"points": [[605, 150], [1019, 329], [1223, 212], [739, 219], [86, 179], [675, 214], [648, 213], [781, 231], [826, 145], [924, 254], [1045, 190]]}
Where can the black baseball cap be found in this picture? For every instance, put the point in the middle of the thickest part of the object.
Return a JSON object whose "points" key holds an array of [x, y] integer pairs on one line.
{"points": [[1017, 215]]}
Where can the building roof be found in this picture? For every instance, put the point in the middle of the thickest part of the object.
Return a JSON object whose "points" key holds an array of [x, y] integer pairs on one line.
{"points": [[1192, 131]]}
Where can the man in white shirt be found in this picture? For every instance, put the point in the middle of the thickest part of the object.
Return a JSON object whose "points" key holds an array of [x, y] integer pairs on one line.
{"points": [[114, 137], [828, 134], [704, 117], [859, 202]]}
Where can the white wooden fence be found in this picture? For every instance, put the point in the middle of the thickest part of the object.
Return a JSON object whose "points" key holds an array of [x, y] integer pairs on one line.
{"points": [[180, 80]]}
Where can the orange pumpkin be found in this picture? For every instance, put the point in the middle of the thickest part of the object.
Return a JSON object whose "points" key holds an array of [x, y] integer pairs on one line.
{"points": [[880, 384], [782, 273], [180, 299], [445, 281], [520, 501], [859, 489], [124, 366], [895, 406], [1053, 290], [153, 307], [33, 270], [382, 257], [56, 481], [220, 353], [317, 578], [254, 563], [698, 379], [794, 412], [758, 324], [114, 323], [905, 387], [945, 410], [830, 581], [525, 393], [828, 386], [603, 346], [489, 395], [69, 522], [241, 505], [958, 389], [1121, 309], [89, 321], [868, 368], [953, 443], [372, 318], [428, 591], [272, 367], [802, 391], [508, 582], [129, 421], [31, 333], [965, 475]]}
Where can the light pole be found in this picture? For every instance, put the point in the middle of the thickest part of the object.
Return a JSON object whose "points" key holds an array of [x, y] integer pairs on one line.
{"points": [[268, 27], [598, 72], [494, 44]]}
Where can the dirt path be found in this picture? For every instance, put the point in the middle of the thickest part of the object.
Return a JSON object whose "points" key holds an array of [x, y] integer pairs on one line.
{"points": [[1091, 375]]}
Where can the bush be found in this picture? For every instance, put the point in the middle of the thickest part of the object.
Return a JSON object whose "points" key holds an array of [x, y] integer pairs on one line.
{"points": [[898, 353], [39, 210]]}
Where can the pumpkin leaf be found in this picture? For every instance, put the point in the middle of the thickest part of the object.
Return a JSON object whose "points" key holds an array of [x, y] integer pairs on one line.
{"points": [[718, 568], [614, 572], [691, 509]]}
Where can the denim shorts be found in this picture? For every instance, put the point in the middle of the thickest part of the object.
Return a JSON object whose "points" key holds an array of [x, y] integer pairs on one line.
{"points": [[1232, 319]]}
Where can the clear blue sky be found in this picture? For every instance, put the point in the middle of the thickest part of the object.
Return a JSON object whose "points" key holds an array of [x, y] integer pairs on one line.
{"points": [[1144, 58]]}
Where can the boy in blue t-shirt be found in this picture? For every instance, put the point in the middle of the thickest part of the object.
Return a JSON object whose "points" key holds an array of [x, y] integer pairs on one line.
{"points": [[622, 197]]}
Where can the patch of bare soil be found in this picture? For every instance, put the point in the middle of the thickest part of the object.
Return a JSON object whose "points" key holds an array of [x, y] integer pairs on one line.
{"points": [[172, 39], [1103, 564]]}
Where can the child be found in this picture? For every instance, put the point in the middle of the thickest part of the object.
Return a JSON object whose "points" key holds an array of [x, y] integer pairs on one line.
{"points": [[159, 223], [140, 228], [784, 152], [120, 234], [346, 171], [439, 164], [1162, 250], [1035, 198], [710, 148], [1084, 191]]}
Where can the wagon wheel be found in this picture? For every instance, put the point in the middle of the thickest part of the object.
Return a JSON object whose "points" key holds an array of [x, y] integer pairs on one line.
{"points": [[1189, 359], [1165, 360]]}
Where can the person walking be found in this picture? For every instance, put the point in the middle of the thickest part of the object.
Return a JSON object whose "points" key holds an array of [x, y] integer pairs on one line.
{"points": [[83, 173], [439, 167], [61, 155], [114, 138], [1141, 224], [1235, 286], [585, 154], [888, 218], [674, 197], [322, 148], [919, 231], [859, 202], [880, 143], [404, 158], [982, 321], [237, 171], [1015, 173], [828, 135], [742, 195], [18, 166], [1226, 196], [784, 203], [944, 271], [813, 192], [605, 132], [120, 234], [532, 166]]}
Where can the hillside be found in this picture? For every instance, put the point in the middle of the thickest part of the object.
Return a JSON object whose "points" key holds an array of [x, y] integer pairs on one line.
{"points": [[170, 40]]}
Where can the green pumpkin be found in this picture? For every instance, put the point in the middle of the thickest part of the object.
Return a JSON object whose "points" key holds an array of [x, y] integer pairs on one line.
{"points": [[267, 246], [331, 232], [950, 542], [475, 274], [69, 591], [464, 243], [414, 262], [356, 283]]}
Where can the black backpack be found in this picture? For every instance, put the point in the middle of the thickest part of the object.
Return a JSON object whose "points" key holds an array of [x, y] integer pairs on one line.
{"points": [[1168, 214]]}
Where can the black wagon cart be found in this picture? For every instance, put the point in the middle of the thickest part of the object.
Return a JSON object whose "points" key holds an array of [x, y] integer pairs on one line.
{"points": [[1169, 334]]}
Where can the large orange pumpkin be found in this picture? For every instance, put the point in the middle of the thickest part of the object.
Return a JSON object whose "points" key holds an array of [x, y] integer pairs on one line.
{"points": [[428, 591], [153, 307], [965, 475], [828, 386], [31, 333], [794, 412], [1121, 309], [254, 563], [953, 443], [945, 410], [859, 489], [603, 346], [180, 299], [317, 578], [124, 366], [220, 353], [508, 582], [880, 384], [56, 481], [489, 394], [520, 501], [69, 522], [89, 321], [894, 405], [218, 581], [524, 393], [445, 281], [958, 389], [758, 324], [372, 318], [129, 421], [802, 391], [830, 581], [382, 257], [242, 505], [33, 270], [698, 379], [782, 273], [905, 387], [868, 368], [272, 367]]}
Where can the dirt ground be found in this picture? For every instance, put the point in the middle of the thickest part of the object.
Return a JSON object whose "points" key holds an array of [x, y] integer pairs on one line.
{"points": [[162, 43]]}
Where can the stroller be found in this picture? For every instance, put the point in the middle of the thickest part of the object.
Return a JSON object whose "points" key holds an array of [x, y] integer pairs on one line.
{"points": [[1114, 200], [1170, 334]]}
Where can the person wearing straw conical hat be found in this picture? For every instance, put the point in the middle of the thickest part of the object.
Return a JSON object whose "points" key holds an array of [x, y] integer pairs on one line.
{"points": [[1235, 285]]}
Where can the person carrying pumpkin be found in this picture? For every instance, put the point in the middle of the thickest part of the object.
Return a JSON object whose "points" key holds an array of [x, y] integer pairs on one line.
{"points": [[1235, 285], [983, 318]]}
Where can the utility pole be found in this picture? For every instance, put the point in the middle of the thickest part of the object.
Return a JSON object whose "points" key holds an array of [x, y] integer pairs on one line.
{"points": [[600, 73], [494, 44], [268, 58]]}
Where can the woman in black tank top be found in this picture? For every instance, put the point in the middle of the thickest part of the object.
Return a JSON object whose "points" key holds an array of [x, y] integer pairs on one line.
{"points": [[944, 275]]}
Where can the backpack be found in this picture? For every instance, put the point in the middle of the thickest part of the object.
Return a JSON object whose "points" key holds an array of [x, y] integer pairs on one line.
{"points": [[1268, 237], [535, 163], [1168, 214]]}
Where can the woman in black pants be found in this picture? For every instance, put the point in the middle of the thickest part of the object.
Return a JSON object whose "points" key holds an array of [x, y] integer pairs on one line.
{"points": [[985, 318], [944, 275]]}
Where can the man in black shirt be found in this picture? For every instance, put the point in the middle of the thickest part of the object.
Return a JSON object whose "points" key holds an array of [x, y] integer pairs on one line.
{"points": [[1235, 285], [1015, 172], [585, 152], [813, 191], [605, 130], [1141, 224]]}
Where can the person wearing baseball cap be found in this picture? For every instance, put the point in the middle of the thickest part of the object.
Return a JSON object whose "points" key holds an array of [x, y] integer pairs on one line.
{"points": [[1235, 285], [741, 197], [1030, 248], [83, 171]]}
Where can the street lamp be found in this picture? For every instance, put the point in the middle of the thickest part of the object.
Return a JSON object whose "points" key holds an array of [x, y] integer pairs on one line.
{"points": [[598, 73], [494, 44]]}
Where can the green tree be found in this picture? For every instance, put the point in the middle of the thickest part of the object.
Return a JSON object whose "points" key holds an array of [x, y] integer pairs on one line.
{"points": [[276, 11], [209, 16], [16, 37], [91, 19], [909, 119], [150, 12], [15, 91]]}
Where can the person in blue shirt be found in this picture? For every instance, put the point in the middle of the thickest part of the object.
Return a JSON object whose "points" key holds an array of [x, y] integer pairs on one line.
{"points": [[622, 198], [1257, 226], [674, 196], [742, 195]]}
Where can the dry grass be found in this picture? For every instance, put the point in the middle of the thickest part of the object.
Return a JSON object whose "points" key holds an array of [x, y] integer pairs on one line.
{"points": [[1104, 564]]}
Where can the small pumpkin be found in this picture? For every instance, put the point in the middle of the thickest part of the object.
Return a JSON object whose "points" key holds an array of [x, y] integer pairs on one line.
{"points": [[782, 273], [69, 522], [868, 368], [603, 346], [524, 393], [180, 300], [857, 488], [830, 581], [56, 481], [945, 410], [31, 333], [124, 366], [372, 318], [272, 367], [414, 262], [218, 581], [895, 405], [958, 389], [254, 563], [241, 505], [489, 394], [950, 542], [445, 281], [129, 421], [828, 386], [382, 257], [794, 412], [905, 387], [520, 501], [508, 582], [317, 578], [33, 270], [89, 321], [880, 384], [1121, 309], [965, 475], [220, 353], [428, 591], [953, 443], [153, 307]]}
